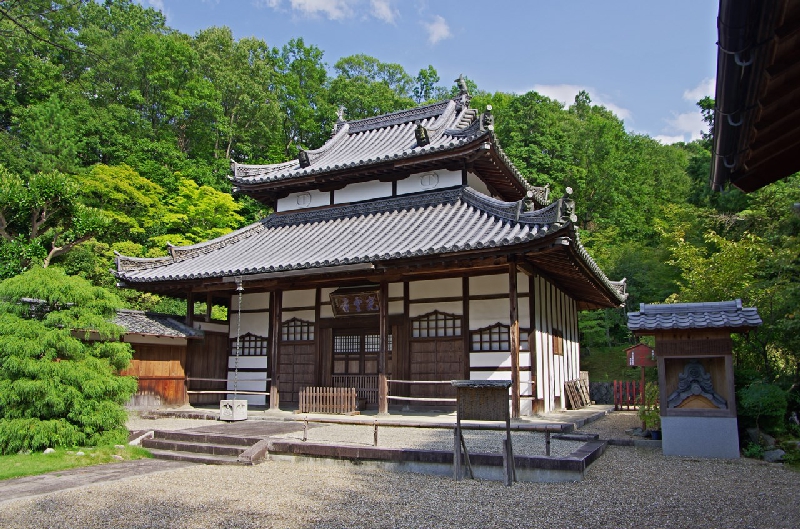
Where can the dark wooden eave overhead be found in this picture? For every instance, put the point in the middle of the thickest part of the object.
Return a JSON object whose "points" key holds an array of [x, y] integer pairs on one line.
{"points": [[757, 114]]}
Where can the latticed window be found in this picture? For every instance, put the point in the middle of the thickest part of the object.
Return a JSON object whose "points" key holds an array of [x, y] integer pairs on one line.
{"points": [[435, 324], [558, 342], [496, 337], [356, 352], [251, 345], [296, 330]]}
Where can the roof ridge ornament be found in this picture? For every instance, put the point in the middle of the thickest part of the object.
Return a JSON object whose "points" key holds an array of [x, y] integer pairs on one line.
{"points": [[302, 157], [421, 133], [462, 85], [487, 119]]}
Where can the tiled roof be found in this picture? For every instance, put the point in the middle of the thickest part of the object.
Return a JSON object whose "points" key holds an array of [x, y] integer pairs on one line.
{"points": [[442, 222], [682, 316], [150, 323], [451, 124]]}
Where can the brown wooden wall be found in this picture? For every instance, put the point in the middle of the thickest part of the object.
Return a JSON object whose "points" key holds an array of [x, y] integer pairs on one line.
{"points": [[208, 358], [435, 359], [297, 369], [160, 370]]}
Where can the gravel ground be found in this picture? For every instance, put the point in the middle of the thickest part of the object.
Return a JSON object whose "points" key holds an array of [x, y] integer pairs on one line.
{"points": [[625, 488], [614, 425], [490, 442]]}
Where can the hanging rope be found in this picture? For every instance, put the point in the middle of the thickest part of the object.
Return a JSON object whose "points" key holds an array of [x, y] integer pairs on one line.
{"points": [[239, 289]]}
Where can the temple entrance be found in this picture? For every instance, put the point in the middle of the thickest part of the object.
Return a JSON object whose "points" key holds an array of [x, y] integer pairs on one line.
{"points": [[355, 361]]}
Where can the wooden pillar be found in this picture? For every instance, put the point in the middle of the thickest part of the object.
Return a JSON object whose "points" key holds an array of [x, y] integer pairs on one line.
{"points": [[275, 306], [190, 309], [514, 336], [383, 393], [209, 305]]}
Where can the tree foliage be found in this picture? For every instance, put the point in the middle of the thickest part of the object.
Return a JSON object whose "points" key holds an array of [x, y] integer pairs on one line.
{"points": [[56, 387]]}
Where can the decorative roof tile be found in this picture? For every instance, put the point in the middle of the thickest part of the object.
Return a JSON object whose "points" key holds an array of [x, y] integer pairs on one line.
{"points": [[153, 324], [684, 316]]}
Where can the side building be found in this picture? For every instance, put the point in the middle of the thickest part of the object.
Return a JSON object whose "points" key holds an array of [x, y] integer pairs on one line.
{"points": [[407, 248]]}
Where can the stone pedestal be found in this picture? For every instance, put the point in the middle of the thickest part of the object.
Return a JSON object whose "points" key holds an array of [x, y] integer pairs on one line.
{"points": [[233, 410], [700, 437]]}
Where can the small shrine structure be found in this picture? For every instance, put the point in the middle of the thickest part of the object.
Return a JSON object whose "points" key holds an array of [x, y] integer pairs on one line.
{"points": [[408, 248], [694, 352]]}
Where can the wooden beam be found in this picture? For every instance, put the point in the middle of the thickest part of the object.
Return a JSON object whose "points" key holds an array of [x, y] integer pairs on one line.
{"points": [[514, 337], [275, 306], [383, 315]]}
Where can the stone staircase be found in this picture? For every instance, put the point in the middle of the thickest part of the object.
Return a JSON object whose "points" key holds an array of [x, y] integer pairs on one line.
{"points": [[206, 448]]}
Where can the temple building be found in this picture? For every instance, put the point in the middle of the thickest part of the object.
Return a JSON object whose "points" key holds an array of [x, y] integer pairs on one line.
{"points": [[406, 249]]}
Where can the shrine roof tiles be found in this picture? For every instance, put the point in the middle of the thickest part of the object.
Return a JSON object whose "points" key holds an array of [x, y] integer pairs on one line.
{"points": [[374, 140], [153, 324], [427, 224], [685, 316]]}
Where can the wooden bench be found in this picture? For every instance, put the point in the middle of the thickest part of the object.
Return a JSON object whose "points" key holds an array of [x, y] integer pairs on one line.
{"points": [[328, 400]]}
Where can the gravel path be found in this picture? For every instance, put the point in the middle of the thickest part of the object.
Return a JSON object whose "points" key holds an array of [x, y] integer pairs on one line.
{"points": [[625, 488]]}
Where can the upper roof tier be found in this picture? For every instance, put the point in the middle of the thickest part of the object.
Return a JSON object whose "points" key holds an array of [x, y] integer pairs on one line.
{"points": [[386, 146]]}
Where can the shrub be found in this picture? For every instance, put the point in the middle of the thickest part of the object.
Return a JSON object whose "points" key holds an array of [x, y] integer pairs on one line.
{"points": [[753, 450], [57, 389], [765, 404], [650, 413]]}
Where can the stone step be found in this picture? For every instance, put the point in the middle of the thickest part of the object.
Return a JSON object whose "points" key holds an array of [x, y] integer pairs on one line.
{"points": [[208, 438], [192, 457], [194, 447]]}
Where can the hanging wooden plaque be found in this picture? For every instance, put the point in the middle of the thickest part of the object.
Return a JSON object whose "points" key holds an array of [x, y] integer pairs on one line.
{"points": [[355, 302]]}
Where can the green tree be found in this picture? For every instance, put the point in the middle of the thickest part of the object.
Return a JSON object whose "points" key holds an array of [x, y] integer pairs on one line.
{"points": [[197, 214], [367, 87], [42, 218], [57, 388]]}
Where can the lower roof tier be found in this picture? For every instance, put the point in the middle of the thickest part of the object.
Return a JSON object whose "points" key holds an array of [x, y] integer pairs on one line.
{"points": [[392, 233]]}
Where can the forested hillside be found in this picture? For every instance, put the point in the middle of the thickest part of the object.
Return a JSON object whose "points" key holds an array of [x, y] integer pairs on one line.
{"points": [[116, 134]]}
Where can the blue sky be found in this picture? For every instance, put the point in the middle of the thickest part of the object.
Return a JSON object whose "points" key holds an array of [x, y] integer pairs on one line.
{"points": [[647, 61]]}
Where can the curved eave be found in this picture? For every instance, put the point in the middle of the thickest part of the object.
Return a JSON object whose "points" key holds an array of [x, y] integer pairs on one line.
{"points": [[756, 133]]}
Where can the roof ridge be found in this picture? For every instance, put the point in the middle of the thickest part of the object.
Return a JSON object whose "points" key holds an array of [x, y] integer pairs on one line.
{"points": [[397, 117]]}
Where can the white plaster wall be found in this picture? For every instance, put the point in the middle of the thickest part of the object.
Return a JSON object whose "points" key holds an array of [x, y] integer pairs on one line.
{"points": [[395, 307], [485, 312], [362, 191], [417, 309], [522, 283], [248, 362], [298, 200], [416, 182], [299, 298], [252, 322], [258, 300], [325, 311], [307, 315], [496, 359], [494, 284], [477, 184], [437, 288], [395, 290]]}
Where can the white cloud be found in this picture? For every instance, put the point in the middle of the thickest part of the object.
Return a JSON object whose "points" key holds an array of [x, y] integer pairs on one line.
{"points": [[686, 127], [383, 10], [333, 9], [157, 4], [566, 94], [669, 140], [438, 29], [707, 87], [274, 4]]}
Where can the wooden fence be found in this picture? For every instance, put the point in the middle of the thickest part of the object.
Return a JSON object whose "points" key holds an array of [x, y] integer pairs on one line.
{"points": [[627, 394], [328, 400], [366, 385]]}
